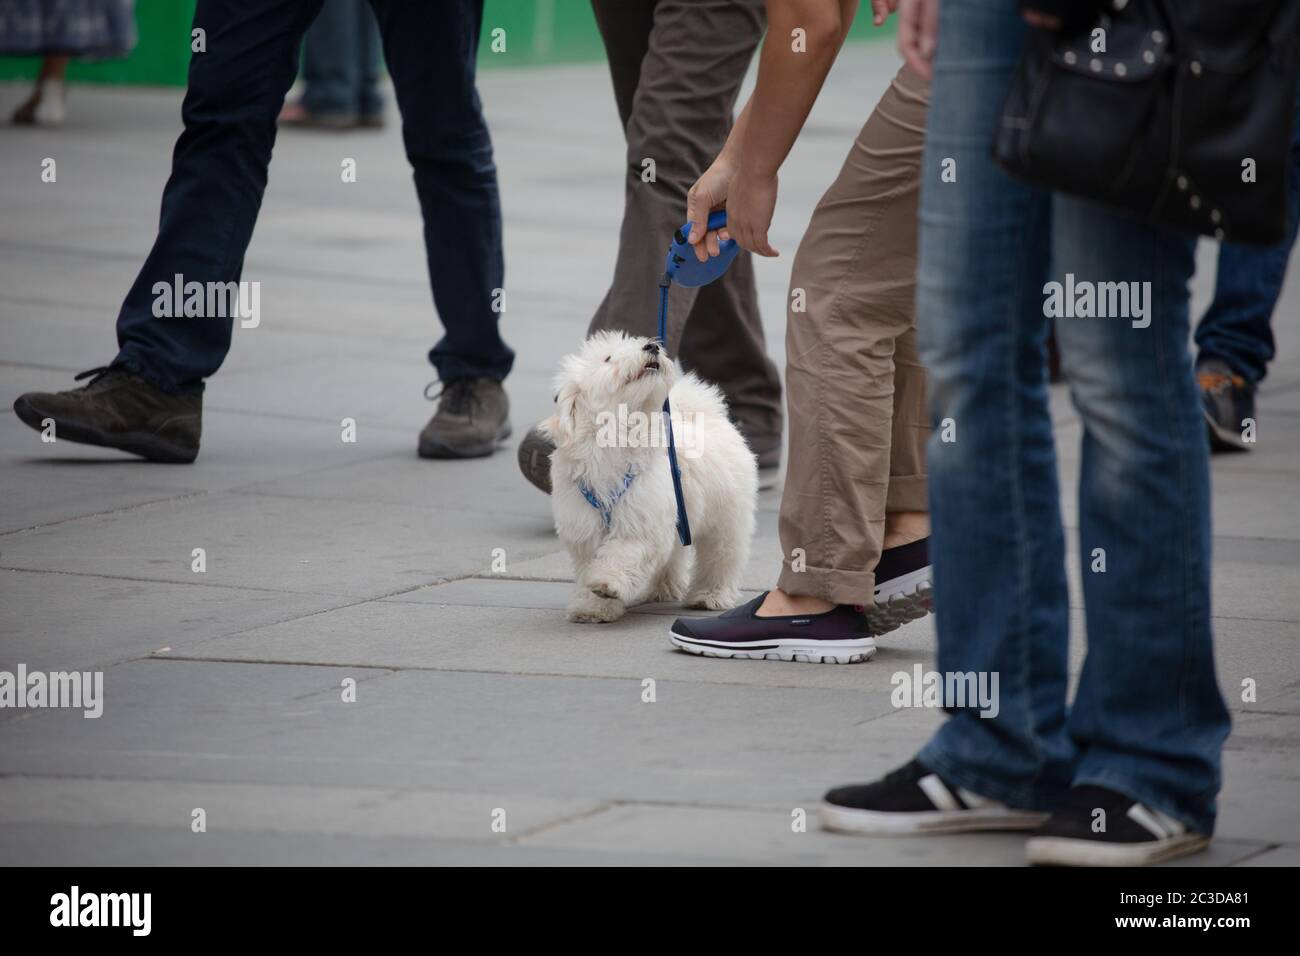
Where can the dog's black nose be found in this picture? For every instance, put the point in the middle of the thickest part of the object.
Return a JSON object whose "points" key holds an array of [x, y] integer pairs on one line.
{"points": [[651, 347]]}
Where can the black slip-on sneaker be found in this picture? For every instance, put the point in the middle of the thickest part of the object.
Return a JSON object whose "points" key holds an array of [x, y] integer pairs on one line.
{"points": [[913, 801], [1228, 404], [1096, 826], [904, 587], [838, 636]]}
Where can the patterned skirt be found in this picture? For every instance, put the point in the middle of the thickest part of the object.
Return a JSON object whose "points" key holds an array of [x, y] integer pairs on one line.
{"points": [[100, 28]]}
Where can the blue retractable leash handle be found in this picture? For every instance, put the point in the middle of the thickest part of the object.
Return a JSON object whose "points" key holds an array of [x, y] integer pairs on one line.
{"points": [[688, 271]]}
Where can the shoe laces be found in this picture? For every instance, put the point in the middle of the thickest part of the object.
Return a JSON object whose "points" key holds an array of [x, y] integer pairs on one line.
{"points": [[457, 397], [96, 375]]}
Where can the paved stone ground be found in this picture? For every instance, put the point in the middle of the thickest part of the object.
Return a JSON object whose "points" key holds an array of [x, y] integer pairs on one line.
{"points": [[329, 561]]}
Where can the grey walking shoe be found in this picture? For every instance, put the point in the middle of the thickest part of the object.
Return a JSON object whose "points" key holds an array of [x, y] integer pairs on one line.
{"points": [[471, 421], [118, 409], [535, 459]]}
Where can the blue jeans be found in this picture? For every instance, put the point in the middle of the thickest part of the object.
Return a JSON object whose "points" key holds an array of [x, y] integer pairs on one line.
{"points": [[219, 170], [1237, 327], [342, 59], [1147, 719]]}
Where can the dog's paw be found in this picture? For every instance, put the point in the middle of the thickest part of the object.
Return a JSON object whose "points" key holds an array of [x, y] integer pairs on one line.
{"points": [[667, 592], [715, 600], [591, 608], [603, 584]]}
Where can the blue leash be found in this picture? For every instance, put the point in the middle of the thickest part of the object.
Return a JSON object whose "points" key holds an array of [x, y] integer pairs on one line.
{"points": [[689, 272]]}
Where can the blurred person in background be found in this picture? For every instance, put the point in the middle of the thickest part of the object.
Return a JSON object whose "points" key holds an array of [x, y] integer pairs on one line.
{"points": [[148, 400], [1140, 745], [342, 60], [58, 31], [677, 66], [1235, 336]]}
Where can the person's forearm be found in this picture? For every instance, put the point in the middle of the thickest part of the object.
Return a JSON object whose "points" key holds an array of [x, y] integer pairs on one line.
{"points": [[788, 81]]}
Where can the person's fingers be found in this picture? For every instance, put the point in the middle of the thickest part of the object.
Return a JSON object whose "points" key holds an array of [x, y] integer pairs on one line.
{"points": [[907, 35], [712, 242], [697, 214], [911, 28], [929, 30], [880, 10], [724, 235], [762, 247], [701, 252]]}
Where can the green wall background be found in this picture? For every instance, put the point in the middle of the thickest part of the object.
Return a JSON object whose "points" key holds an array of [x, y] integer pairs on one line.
{"points": [[537, 32]]}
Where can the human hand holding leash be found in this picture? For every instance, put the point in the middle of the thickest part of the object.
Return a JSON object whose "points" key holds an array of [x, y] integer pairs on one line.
{"points": [[744, 177]]}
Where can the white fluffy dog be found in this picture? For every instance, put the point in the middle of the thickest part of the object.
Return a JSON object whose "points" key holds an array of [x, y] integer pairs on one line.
{"points": [[612, 491]]}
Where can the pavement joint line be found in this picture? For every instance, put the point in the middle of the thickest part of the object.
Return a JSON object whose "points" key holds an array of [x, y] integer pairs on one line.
{"points": [[425, 668], [252, 490], [138, 506], [549, 825], [34, 365], [301, 617], [1258, 851], [185, 584], [605, 804], [334, 690]]}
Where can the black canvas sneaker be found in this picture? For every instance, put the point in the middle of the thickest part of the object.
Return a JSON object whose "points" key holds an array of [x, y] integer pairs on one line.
{"points": [[1095, 826], [838, 636], [913, 801], [904, 587]]}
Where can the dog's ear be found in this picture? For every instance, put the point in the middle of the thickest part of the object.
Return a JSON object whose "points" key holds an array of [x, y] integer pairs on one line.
{"points": [[561, 426]]}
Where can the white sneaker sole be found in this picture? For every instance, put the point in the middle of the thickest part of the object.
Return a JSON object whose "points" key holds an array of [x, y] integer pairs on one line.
{"points": [[809, 652], [901, 601], [878, 823], [1059, 851]]}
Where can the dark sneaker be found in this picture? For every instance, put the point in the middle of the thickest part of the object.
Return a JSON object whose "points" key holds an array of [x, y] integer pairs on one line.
{"points": [[1228, 403], [118, 409], [839, 636], [295, 114], [904, 587], [912, 801], [1131, 833], [471, 420], [535, 459]]}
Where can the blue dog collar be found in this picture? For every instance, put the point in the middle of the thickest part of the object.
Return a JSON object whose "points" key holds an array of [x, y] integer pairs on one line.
{"points": [[606, 509]]}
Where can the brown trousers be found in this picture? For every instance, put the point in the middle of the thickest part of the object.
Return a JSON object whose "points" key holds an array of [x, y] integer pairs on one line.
{"points": [[855, 389], [677, 67]]}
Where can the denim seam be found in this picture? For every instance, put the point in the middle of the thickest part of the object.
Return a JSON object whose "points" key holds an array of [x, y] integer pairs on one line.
{"points": [[1018, 502]]}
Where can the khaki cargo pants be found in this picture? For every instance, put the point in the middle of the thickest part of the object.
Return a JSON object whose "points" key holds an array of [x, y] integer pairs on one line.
{"points": [[855, 390]]}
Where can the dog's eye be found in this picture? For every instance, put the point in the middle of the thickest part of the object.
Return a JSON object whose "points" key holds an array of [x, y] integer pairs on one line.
{"points": [[606, 358]]}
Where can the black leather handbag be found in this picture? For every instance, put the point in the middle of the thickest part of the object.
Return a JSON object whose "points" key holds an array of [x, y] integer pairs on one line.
{"points": [[1178, 111]]}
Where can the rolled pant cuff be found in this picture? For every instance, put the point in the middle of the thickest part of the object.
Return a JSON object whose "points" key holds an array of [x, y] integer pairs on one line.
{"points": [[907, 493], [1019, 797], [830, 584]]}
